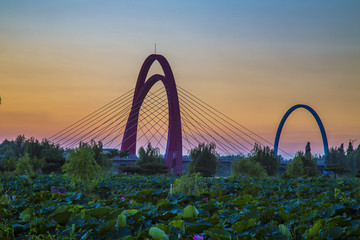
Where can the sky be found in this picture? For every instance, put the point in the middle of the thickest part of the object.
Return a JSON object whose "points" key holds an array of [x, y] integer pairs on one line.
{"points": [[252, 60]]}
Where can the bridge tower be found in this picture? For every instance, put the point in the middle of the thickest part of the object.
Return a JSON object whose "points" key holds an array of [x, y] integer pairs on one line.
{"points": [[173, 154], [317, 118]]}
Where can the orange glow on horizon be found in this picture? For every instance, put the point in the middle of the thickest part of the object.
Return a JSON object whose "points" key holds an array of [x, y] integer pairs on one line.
{"points": [[59, 64]]}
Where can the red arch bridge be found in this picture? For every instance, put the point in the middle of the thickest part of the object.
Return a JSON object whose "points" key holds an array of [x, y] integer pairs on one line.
{"points": [[164, 114]]}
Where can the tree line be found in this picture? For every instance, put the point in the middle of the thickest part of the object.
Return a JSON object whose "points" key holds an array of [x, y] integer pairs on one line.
{"points": [[31, 156], [42, 157], [304, 164], [342, 161]]}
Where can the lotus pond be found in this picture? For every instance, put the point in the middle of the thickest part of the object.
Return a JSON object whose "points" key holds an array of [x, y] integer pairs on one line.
{"points": [[140, 207]]}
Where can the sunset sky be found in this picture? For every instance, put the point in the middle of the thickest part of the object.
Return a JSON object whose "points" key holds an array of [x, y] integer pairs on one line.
{"points": [[252, 60]]}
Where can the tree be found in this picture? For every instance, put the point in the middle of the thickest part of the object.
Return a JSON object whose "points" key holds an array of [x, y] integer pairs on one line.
{"points": [[247, 167], [53, 155], [114, 152], [204, 160], [100, 157], [8, 152], [150, 155], [37, 164], [10, 164], [349, 149], [336, 156], [309, 162], [20, 145], [341, 149], [349, 162], [356, 158], [23, 166], [308, 150], [81, 165], [13, 148], [2, 164], [295, 168], [266, 157], [33, 147]]}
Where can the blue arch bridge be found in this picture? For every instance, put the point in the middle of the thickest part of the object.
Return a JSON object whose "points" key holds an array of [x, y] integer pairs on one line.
{"points": [[173, 120]]}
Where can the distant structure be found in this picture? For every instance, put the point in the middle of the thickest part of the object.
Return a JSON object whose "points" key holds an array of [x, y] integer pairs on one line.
{"points": [[173, 155], [317, 118]]}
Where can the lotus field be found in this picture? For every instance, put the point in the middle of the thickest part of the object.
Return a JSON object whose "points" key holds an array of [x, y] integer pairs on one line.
{"points": [[141, 207]]}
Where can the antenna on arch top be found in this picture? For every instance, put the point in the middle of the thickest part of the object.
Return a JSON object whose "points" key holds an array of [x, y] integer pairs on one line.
{"points": [[155, 48]]}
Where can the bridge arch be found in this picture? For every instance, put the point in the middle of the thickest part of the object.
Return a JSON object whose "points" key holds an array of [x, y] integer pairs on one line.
{"points": [[173, 155], [317, 118]]}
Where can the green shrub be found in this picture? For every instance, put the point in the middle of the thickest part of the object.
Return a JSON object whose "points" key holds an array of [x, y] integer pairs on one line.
{"points": [[247, 167], [204, 160], [267, 159], [131, 169], [145, 169], [81, 165], [188, 185], [23, 166], [150, 162], [154, 168], [295, 168]]}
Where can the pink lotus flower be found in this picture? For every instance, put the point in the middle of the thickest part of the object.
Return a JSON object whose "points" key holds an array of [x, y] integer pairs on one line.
{"points": [[122, 199], [205, 199], [198, 237], [131, 201]]}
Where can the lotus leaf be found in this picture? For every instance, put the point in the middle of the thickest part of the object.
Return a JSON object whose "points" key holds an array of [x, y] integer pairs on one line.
{"points": [[25, 215], [179, 224], [61, 217], [240, 208], [121, 221], [284, 231], [190, 211], [157, 234], [129, 212], [315, 229]]}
